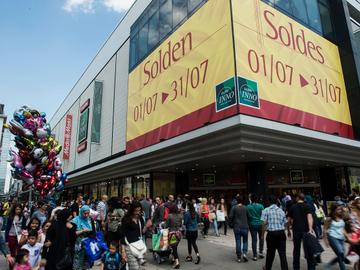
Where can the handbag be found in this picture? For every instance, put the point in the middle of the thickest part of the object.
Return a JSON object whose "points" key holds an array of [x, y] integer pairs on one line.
{"points": [[174, 237], [66, 261], [138, 248], [220, 216]]}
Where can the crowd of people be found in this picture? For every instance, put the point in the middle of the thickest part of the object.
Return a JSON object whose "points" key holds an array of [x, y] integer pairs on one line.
{"points": [[118, 231]]}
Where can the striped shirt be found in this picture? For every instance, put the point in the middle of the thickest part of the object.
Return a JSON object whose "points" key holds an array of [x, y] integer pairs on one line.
{"points": [[274, 217]]}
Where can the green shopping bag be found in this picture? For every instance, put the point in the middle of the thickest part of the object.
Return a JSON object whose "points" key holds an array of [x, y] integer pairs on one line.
{"points": [[155, 241]]}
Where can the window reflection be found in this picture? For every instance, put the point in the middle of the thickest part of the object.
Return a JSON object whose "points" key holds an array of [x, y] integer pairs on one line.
{"points": [[154, 30], [193, 4], [165, 18], [179, 11], [158, 20]]}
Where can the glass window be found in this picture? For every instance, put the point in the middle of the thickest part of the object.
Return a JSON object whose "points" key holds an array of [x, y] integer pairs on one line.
{"points": [[326, 19], [114, 188], [134, 50], [284, 5], [127, 187], [313, 14], [355, 25], [143, 41], [154, 6], [165, 18], [193, 4], [179, 11], [154, 35], [102, 189], [299, 10]]}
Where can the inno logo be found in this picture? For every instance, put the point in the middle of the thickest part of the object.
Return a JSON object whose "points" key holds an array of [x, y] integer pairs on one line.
{"points": [[225, 95]]}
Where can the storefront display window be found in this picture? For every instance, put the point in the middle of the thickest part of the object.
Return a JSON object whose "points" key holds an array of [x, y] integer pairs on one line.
{"points": [[94, 191], [354, 176], [163, 184], [127, 187], [102, 189], [141, 185], [114, 188]]}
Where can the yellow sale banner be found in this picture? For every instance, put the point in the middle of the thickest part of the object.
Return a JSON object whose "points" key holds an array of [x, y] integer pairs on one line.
{"points": [[172, 91], [287, 72]]}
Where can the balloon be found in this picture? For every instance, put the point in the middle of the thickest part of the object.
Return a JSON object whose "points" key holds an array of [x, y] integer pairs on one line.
{"points": [[26, 177], [37, 153], [45, 177], [45, 161], [52, 154], [58, 149], [30, 124], [30, 167], [23, 153], [57, 164], [15, 158], [36, 162], [41, 133]]}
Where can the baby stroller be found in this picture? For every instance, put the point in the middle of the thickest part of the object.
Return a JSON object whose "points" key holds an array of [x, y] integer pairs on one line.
{"points": [[160, 245]]}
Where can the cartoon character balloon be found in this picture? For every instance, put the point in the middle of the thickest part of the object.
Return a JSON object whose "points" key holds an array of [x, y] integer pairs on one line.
{"points": [[36, 162]]}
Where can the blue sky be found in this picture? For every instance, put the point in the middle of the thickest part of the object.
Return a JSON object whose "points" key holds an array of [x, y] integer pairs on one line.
{"points": [[46, 45]]}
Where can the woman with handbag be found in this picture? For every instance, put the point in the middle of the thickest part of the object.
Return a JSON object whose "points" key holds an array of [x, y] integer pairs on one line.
{"points": [[222, 215], [213, 217], [133, 247], [14, 226], [174, 223], [191, 221], [59, 243], [204, 211], [83, 229]]}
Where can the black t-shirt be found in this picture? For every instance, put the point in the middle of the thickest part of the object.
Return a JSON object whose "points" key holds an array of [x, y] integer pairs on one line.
{"points": [[75, 208], [131, 231], [298, 212]]}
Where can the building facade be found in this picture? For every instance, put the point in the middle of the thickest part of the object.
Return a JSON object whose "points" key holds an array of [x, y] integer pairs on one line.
{"points": [[3, 160], [218, 97], [4, 148]]}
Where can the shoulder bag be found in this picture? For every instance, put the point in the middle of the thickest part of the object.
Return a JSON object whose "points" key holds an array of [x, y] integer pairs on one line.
{"points": [[138, 248]]}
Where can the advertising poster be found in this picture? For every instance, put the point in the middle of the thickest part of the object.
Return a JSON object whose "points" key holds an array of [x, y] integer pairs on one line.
{"points": [[185, 83], [286, 72]]}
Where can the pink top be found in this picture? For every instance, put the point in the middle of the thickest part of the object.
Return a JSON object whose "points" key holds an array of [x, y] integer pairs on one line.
{"points": [[22, 266]]}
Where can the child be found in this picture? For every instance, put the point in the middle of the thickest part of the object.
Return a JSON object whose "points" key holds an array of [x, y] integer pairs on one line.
{"points": [[34, 248], [22, 260], [111, 258]]}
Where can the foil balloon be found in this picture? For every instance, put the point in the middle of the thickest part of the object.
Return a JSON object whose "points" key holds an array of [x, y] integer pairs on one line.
{"points": [[31, 166], [57, 164], [37, 153], [35, 161], [41, 133]]}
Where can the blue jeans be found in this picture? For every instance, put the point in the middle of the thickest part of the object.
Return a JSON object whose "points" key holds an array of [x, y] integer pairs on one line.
{"points": [[241, 233], [337, 246], [215, 224]]}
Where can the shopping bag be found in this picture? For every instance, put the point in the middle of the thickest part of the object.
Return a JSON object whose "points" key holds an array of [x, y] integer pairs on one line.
{"points": [[94, 247], [156, 241], [220, 215]]}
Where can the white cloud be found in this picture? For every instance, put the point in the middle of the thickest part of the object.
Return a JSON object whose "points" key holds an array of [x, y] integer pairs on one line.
{"points": [[118, 5], [88, 6]]}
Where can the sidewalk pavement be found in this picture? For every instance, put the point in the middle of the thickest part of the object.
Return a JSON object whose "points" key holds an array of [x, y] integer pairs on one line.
{"points": [[219, 253]]}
